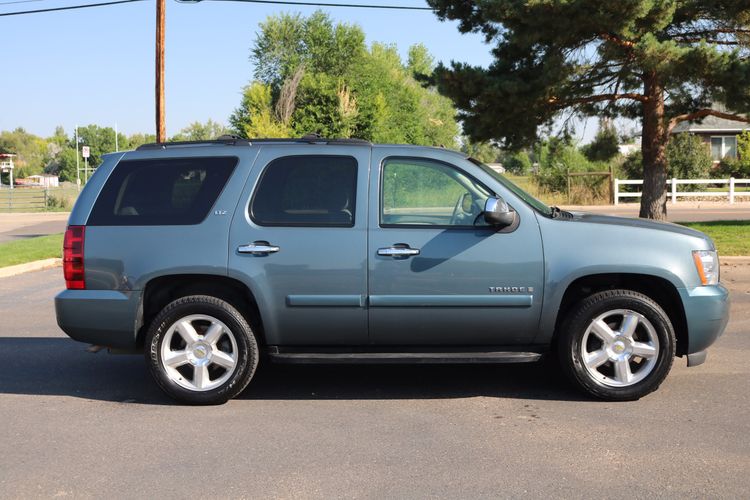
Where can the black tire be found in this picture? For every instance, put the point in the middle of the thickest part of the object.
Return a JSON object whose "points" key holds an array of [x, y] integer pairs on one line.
{"points": [[240, 337], [653, 324]]}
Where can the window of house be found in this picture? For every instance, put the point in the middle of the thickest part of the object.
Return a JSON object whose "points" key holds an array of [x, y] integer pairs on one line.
{"points": [[723, 147]]}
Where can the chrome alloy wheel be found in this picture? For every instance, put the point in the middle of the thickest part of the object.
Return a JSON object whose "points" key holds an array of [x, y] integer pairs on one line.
{"points": [[199, 353], [619, 348]]}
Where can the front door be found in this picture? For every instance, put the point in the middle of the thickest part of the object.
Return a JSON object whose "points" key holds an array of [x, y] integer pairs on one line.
{"points": [[437, 274], [299, 241]]}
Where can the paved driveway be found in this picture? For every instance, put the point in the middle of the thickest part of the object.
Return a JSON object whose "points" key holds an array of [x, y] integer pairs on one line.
{"points": [[83, 424], [17, 226]]}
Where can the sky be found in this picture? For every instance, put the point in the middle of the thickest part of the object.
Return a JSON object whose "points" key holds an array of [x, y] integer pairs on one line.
{"points": [[96, 66]]}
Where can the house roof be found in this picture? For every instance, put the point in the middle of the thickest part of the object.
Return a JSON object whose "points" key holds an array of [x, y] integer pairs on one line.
{"points": [[712, 124]]}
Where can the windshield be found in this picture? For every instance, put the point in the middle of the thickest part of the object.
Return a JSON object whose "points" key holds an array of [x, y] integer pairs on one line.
{"points": [[530, 200]]}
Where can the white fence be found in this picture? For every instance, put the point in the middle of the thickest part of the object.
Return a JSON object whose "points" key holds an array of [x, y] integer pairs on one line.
{"points": [[730, 194]]}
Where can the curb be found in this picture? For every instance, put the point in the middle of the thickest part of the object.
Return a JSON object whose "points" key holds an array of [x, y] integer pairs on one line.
{"points": [[37, 265], [734, 259]]}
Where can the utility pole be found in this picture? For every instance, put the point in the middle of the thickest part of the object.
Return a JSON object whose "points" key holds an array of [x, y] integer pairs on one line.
{"points": [[160, 126], [78, 165]]}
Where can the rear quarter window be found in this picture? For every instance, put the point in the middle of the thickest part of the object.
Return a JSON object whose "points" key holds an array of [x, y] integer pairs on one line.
{"points": [[176, 191]]}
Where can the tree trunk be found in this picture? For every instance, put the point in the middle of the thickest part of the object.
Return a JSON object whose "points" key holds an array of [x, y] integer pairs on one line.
{"points": [[654, 149]]}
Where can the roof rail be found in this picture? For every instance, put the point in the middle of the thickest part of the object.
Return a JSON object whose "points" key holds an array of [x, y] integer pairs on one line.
{"points": [[233, 140], [226, 140]]}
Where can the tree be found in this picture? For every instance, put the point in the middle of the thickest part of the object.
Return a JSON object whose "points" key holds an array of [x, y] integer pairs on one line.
{"points": [[316, 76], [198, 131], [604, 147], [663, 62], [688, 157]]}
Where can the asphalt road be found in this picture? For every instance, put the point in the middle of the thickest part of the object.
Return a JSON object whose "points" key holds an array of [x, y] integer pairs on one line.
{"points": [[95, 425], [19, 226], [681, 212]]}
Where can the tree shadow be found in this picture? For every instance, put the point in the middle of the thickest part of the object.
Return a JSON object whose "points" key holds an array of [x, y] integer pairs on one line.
{"points": [[62, 367]]}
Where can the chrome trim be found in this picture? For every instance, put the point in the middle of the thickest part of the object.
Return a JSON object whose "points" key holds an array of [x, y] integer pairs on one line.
{"points": [[398, 252], [254, 249]]}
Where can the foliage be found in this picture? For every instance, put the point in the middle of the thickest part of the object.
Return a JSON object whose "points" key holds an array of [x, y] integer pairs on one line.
{"points": [[688, 157], [517, 162], [315, 76], [198, 131], [662, 62], [632, 167], [486, 152], [604, 147], [32, 151]]}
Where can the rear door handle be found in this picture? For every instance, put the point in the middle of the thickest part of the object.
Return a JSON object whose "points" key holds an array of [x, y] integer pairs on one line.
{"points": [[398, 251], [258, 248]]}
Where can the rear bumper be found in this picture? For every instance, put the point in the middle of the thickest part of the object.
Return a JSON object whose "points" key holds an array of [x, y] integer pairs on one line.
{"points": [[101, 317], [707, 314]]}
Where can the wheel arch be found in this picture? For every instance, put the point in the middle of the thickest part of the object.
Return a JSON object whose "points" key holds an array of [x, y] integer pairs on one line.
{"points": [[162, 290], [661, 290]]}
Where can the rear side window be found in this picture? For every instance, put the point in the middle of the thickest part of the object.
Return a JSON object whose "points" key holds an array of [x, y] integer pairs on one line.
{"points": [[176, 191], [306, 191]]}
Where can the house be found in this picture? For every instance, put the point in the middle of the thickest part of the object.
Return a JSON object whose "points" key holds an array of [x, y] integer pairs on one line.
{"points": [[6, 166], [46, 180], [720, 133]]}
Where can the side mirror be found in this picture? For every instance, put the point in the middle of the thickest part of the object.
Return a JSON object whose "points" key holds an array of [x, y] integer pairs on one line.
{"points": [[498, 213]]}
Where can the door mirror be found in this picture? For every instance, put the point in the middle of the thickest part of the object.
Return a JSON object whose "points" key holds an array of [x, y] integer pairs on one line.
{"points": [[498, 213]]}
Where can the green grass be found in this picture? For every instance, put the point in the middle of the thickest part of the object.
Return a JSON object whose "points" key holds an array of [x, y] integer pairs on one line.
{"points": [[30, 249], [732, 237]]}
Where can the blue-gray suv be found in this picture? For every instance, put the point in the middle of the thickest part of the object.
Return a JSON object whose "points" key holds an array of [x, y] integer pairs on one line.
{"points": [[210, 256]]}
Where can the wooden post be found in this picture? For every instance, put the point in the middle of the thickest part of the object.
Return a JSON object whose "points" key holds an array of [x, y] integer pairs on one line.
{"points": [[160, 126], [567, 174]]}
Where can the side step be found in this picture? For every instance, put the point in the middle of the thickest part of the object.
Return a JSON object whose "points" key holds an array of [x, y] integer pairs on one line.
{"points": [[405, 357]]}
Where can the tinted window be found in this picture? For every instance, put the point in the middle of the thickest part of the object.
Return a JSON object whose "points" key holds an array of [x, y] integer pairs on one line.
{"points": [[306, 191], [429, 193], [161, 192]]}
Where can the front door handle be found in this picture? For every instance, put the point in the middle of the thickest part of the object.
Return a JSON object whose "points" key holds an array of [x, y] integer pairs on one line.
{"points": [[398, 251], [258, 248]]}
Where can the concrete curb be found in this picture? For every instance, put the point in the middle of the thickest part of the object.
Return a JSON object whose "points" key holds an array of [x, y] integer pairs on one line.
{"points": [[37, 265], [735, 259]]}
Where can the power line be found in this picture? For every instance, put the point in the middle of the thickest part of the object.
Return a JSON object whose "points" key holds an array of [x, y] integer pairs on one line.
{"points": [[70, 7], [20, 1], [319, 4]]}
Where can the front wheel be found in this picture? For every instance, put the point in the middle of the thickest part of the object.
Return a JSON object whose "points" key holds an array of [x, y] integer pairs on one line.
{"points": [[201, 350], [617, 345]]}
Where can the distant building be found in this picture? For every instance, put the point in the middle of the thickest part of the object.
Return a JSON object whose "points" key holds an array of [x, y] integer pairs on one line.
{"points": [[718, 133], [497, 167], [46, 180], [6, 166]]}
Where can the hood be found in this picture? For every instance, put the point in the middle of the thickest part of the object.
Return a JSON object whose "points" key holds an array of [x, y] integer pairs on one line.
{"points": [[638, 223]]}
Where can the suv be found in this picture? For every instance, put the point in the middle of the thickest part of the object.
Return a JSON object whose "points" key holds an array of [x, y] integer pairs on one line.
{"points": [[209, 255]]}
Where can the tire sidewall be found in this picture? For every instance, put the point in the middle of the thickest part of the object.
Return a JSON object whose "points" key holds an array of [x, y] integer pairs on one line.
{"points": [[247, 350], [598, 304]]}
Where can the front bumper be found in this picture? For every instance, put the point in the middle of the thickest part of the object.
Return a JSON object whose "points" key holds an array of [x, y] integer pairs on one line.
{"points": [[707, 314], [102, 317]]}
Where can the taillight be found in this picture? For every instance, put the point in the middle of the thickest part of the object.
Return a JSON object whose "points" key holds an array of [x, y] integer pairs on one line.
{"points": [[73, 257]]}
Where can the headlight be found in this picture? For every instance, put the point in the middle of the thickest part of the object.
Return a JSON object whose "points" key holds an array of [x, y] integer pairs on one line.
{"points": [[707, 265]]}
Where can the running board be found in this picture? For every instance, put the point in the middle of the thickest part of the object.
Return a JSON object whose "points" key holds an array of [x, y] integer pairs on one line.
{"points": [[405, 357]]}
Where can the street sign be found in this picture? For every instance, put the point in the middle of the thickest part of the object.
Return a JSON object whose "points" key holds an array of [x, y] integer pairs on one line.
{"points": [[85, 151]]}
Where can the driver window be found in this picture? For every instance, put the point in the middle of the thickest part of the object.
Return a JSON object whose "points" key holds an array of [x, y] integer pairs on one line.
{"points": [[429, 193]]}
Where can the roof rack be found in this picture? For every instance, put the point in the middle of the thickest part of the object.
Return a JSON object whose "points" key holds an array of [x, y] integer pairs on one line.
{"points": [[226, 140], [233, 140]]}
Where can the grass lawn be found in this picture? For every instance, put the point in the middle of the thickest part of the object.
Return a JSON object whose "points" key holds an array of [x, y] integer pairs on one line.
{"points": [[732, 237], [30, 249]]}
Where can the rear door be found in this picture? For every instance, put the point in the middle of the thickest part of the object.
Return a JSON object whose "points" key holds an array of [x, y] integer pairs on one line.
{"points": [[299, 240]]}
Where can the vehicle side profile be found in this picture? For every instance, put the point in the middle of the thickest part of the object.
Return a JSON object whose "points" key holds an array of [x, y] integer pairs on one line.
{"points": [[212, 256]]}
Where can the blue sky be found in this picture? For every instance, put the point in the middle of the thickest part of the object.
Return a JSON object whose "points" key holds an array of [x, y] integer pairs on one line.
{"points": [[97, 65]]}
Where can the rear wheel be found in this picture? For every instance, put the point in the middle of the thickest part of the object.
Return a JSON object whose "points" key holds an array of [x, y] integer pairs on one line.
{"points": [[201, 350], [617, 345]]}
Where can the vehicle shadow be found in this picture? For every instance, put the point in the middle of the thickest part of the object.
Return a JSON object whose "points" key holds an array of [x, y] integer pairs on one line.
{"points": [[63, 367]]}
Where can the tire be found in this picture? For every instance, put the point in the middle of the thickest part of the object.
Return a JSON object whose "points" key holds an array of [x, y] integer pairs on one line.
{"points": [[617, 345], [201, 350]]}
